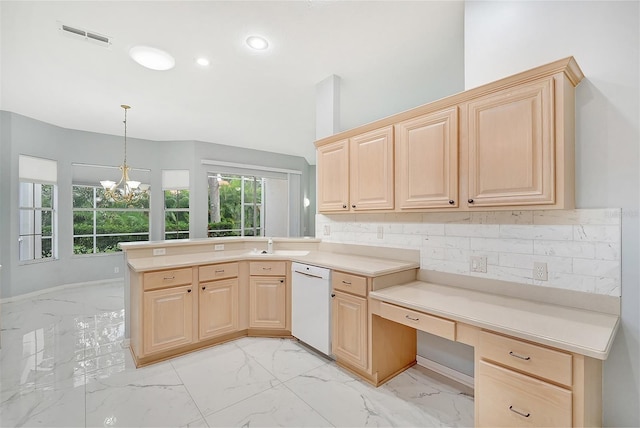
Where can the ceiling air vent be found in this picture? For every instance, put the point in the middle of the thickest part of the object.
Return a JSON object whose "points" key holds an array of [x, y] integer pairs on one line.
{"points": [[89, 36]]}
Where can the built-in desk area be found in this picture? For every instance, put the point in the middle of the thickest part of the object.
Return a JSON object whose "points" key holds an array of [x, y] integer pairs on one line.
{"points": [[536, 363]]}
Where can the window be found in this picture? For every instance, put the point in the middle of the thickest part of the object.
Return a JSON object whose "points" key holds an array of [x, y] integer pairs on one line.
{"points": [[37, 221], [99, 224], [37, 208], [176, 214], [235, 205], [175, 183]]}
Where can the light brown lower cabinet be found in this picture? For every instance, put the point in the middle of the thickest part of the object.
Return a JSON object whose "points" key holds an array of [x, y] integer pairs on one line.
{"points": [[267, 302], [218, 308], [168, 318], [349, 325]]}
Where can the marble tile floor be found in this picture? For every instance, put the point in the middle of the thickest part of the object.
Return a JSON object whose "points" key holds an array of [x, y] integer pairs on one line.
{"points": [[62, 364]]}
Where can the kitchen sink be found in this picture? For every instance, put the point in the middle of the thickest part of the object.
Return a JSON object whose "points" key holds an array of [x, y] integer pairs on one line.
{"points": [[278, 253]]}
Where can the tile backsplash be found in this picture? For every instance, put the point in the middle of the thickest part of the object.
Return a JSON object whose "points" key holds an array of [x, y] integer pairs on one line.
{"points": [[580, 247]]}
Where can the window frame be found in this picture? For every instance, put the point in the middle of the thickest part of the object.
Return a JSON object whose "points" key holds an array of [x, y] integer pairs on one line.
{"points": [[53, 209], [95, 210], [257, 206]]}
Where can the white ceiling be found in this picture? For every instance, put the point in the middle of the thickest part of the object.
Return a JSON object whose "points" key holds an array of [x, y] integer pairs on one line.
{"points": [[385, 53]]}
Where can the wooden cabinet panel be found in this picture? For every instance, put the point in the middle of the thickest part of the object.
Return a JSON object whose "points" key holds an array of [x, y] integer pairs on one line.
{"points": [[509, 399], [267, 302], [268, 268], [349, 329], [371, 179], [168, 318], [167, 278], [349, 283], [511, 149], [427, 161], [539, 361], [434, 325], [218, 308], [333, 176], [219, 271]]}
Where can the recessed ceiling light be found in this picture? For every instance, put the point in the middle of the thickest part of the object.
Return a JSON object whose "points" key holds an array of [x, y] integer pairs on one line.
{"points": [[152, 58], [204, 62], [257, 43]]}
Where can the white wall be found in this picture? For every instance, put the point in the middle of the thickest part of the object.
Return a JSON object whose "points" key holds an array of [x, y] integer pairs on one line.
{"points": [[502, 38]]}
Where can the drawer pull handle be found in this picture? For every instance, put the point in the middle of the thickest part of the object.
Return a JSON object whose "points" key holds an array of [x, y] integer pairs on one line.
{"points": [[412, 319], [346, 282], [524, 415], [169, 278], [513, 354], [266, 268], [220, 271]]}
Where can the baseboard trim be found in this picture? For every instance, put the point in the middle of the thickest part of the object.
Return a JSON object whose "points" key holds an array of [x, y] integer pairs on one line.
{"points": [[58, 288], [455, 375]]}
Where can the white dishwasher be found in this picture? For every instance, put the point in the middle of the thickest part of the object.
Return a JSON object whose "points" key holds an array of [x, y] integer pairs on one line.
{"points": [[311, 306]]}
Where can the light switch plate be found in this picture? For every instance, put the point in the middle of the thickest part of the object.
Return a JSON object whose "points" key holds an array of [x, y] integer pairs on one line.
{"points": [[218, 247], [159, 251], [380, 232], [327, 230]]}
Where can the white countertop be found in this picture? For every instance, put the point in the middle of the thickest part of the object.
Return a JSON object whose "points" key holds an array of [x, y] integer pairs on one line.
{"points": [[584, 332], [361, 265]]}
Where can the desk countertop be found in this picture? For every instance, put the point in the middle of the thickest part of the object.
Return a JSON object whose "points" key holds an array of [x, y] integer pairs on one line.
{"points": [[581, 331]]}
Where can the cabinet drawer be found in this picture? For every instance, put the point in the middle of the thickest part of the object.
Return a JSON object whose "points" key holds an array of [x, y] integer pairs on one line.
{"points": [[219, 271], [510, 399], [167, 278], [539, 361], [350, 283], [418, 320], [268, 268]]}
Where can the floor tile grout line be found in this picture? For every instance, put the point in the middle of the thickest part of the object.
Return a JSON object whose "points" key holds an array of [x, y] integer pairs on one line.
{"points": [[305, 401], [186, 388]]}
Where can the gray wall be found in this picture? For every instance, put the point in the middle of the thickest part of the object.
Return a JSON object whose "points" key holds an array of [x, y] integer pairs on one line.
{"points": [[503, 38], [23, 135]]}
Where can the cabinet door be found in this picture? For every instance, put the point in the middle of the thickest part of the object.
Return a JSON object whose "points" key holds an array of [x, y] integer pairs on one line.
{"points": [[511, 147], [371, 170], [333, 176], [168, 318], [267, 302], [349, 325], [218, 308], [427, 160]]}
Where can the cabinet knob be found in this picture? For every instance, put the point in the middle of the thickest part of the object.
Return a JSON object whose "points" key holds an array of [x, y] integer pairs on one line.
{"points": [[353, 206], [189, 291], [470, 201], [333, 295], [344, 206], [282, 280], [451, 202], [204, 288]]}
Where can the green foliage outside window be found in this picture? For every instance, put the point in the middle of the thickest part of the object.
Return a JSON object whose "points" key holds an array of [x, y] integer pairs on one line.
{"points": [[176, 214], [231, 220]]}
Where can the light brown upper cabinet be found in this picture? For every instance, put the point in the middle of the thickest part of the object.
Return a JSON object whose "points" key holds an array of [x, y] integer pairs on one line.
{"points": [[505, 145], [511, 146], [427, 160], [357, 174]]}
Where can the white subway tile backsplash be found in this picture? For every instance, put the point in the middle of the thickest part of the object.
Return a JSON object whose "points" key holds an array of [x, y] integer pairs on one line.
{"points": [[580, 256], [559, 233], [602, 268], [521, 246], [526, 261], [479, 230], [565, 248], [502, 217], [592, 233]]}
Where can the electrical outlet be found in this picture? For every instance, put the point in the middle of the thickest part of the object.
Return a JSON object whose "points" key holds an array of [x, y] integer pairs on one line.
{"points": [[159, 251], [540, 271], [327, 230], [218, 247], [116, 270], [478, 264], [380, 232]]}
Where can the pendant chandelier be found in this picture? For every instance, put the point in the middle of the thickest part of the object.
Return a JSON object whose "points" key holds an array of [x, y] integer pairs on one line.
{"points": [[125, 190]]}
